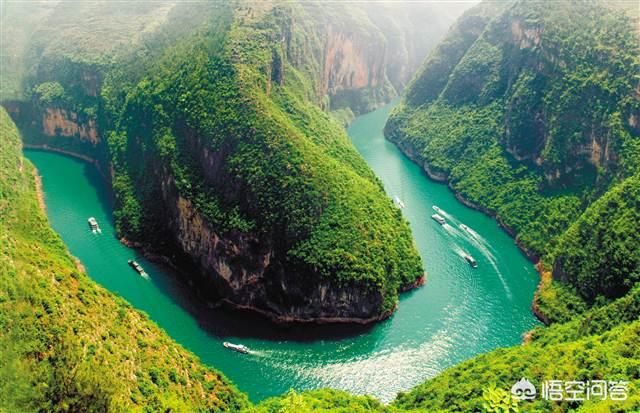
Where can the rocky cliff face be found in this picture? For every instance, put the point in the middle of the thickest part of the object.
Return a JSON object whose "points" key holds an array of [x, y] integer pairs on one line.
{"points": [[345, 60], [368, 52], [540, 77], [248, 270], [57, 128], [528, 136], [352, 62], [60, 122]]}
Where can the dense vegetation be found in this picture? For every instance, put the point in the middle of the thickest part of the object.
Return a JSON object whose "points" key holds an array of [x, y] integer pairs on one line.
{"points": [[498, 110], [601, 250], [601, 344], [69, 345], [245, 82], [286, 171]]}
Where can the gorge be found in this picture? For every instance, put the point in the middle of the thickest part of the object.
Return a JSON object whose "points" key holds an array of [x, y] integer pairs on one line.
{"points": [[215, 148], [223, 212], [461, 311]]}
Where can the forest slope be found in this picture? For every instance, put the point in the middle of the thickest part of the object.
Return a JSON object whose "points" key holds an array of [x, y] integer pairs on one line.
{"points": [[69, 345], [219, 148], [531, 114]]}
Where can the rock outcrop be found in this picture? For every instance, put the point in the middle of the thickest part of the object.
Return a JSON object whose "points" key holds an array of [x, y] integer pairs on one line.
{"points": [[178, 206]]}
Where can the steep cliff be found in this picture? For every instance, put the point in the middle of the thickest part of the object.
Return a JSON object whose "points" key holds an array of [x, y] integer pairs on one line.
{"points": [[68, 344], [262, 192], [281, 216], [527, 109], [359, 56]]}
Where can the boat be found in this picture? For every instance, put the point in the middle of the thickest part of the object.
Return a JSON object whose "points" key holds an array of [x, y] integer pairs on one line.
{"points": [[399, 202], [439, 219], [138, 268], [464, 228], [471, 260], [236, 347], [93, 224], [435, 208]]}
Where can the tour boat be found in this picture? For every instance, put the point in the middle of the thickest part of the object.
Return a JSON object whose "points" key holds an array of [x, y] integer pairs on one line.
{"points": [[470, 260], [399, 203], [236, 347], [439, 219], [138, 268], [93, 224], [435, 208], [464, 228]]}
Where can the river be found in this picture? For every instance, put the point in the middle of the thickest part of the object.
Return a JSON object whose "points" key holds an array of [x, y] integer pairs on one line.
{"points": [[458, 313]]}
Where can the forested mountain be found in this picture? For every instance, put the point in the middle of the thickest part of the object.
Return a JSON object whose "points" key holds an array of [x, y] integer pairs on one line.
{"points": [[69, 345], [531, 114], [210, 119], [212, 122]]}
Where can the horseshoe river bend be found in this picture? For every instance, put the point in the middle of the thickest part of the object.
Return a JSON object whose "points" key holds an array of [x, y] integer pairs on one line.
{"points": [[460, 311]]}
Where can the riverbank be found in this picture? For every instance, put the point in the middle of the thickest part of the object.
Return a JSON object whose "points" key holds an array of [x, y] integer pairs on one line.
{"points": [[469, 307], [545, 276], [72, 154]]}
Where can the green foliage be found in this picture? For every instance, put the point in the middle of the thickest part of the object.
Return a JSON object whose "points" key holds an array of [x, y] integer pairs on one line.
{"points": [[498, 110], [255, 156], [462, 145], [600, 253], [49, 92], [320, 401], [498, 401], [502, 117], [612, 355], [432, 77], [67, 344]]}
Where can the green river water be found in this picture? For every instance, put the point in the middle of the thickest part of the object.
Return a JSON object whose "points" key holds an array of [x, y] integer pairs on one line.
{"points": [[457, 314]]}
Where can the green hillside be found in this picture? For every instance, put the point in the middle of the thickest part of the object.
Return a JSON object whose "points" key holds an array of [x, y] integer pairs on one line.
{"points": [[499, 110], [213, 123], [305, 189], [225, 119], [69, 345]]}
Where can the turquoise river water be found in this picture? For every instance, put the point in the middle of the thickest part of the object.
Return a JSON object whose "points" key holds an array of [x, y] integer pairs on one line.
{"points": [[458, 313]]}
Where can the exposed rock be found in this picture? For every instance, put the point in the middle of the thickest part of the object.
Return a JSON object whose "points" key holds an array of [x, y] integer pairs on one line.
{"points": [[244, 271], [60, 122], [351, 62]]}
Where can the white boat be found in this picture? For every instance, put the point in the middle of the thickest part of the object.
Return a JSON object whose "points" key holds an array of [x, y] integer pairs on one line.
{"points": [[439, 219], [470, 260], [138, 268], [464, 228], [236, 347], [399, 202], [435, 208], [93, 224]]}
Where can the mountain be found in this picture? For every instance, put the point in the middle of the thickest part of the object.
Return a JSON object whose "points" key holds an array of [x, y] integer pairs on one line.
{"points": [[68, 344], [529, 111], [165, 113], [210, 120]]}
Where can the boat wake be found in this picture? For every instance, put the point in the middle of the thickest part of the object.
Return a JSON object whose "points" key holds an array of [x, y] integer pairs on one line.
{"points": [[459, 251], [451, 230], [444, 214], [477, 241]]}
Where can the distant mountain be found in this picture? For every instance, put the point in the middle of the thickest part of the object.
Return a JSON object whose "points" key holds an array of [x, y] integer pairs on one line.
{"points": [[211, 120]]}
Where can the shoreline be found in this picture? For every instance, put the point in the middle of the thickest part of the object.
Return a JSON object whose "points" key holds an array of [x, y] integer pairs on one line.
{"points": [[278, 320], [153, 255], [75, 155], [43, 208], [39, 192], [534, 258]]}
